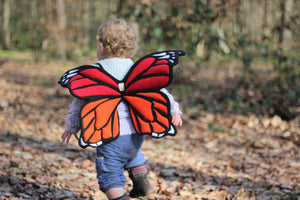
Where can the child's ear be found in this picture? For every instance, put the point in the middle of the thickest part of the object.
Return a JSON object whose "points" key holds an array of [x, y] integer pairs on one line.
{"points": [[100, 46], [100, 51]]}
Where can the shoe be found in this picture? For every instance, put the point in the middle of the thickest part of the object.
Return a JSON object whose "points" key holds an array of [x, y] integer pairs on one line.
{"points": [[141, 185]]}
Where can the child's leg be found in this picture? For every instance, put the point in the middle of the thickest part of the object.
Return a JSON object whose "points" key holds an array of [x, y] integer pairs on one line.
{"points": [[110, 163], [137, 157], [138, 171], [109, 173], [116, 194]]}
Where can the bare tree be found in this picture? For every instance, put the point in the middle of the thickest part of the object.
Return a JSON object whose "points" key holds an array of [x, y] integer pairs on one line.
{"points": [[281, 27], [6, 29], [287, 30], [61, 22], [122, 8], [265, 15], [86, 23]]}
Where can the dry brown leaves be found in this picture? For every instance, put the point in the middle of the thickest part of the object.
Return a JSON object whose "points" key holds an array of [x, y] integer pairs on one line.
{"points": [[213, 156]]}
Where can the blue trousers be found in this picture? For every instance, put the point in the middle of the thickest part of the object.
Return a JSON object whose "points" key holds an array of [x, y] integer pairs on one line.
{"points": [[114, 157]]}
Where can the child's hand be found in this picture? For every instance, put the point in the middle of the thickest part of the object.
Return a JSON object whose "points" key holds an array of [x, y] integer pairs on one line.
{"points": [[67, 135], [176, 120]]}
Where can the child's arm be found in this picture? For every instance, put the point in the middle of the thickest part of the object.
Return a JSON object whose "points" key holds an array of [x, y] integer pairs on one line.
{"points": [[73, 120], [175, 111]]}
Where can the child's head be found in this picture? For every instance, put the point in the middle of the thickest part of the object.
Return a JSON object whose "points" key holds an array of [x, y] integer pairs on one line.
{"points": [[116, 38]]}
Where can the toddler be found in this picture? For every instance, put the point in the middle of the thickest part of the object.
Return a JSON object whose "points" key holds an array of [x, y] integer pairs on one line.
{"points": [[116, 42]]}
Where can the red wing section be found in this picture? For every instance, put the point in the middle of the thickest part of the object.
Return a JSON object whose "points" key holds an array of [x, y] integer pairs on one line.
{"points": [[99, 122], [87, 82], [150, 113], [152, 72]]}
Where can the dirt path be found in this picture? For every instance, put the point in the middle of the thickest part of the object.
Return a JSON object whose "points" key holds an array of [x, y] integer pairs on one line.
{"points": [[212, 157]]}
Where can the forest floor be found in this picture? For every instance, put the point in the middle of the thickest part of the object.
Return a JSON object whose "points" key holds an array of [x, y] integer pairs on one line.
{"points": [[213, 156]]}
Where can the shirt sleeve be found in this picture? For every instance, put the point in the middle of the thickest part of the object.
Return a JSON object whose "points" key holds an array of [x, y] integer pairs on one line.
{"points": [[174, 105], [73, 119]]}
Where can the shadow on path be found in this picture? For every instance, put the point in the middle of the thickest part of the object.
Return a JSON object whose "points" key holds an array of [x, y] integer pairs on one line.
{"points": [[11, 186], [181, 173], [22, 183]]}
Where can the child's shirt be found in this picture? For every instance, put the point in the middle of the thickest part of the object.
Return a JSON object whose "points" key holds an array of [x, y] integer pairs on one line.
{"points": [[118, 68]]}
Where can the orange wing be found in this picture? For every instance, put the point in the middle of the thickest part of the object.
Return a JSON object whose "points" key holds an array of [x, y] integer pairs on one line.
{"points": [[150, 113], [99, 122]]}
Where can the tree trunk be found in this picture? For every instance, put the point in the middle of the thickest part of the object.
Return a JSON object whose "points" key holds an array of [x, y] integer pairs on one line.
{"points": [[122, 8], [6, 29], [239, 21], [282, 24], [265, 18], [61, 22], [287, 32], [86, 24]]}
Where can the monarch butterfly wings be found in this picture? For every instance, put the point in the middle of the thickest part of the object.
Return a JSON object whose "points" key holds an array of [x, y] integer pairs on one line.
{"points": [[149, 107], [99, 117], [99, 122], [150, 113], [152, 72], [88, 82]]}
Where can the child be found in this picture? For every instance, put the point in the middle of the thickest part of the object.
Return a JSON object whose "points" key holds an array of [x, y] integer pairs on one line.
{"points": [[116, 42]]}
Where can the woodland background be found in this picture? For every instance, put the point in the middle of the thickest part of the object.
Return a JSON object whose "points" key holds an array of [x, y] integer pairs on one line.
{"points": [[238, 87]]}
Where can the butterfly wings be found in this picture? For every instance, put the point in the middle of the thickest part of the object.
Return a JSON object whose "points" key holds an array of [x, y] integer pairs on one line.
{"points": [[99, 117], [149, 108], [88, 82], [152, 72], [100, 122], [150, 113]]}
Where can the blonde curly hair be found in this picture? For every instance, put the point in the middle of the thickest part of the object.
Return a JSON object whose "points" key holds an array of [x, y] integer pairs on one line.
{"points": [[117, 38]]}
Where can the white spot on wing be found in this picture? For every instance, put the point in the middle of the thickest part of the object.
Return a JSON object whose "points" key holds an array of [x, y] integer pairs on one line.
{"points": [[71, 75], [93, 144], [154, 134], [160, 54], [161, 135], [73, 71], [171, 131], [165, 57], [82, 142]]}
